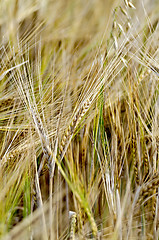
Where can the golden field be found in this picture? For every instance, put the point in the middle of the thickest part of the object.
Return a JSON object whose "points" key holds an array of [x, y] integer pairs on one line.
{"points": [[79, 119]]}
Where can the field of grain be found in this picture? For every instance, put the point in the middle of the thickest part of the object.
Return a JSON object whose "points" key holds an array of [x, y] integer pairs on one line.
{"points": [[79, 119]]}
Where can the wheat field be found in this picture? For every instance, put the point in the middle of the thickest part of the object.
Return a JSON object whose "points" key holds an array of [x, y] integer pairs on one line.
{"points": [[79, 119]]}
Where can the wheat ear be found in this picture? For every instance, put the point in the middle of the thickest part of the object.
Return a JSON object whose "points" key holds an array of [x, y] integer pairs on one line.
{"points": [[66, 139], [73, 219], [149, 187]]}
